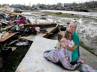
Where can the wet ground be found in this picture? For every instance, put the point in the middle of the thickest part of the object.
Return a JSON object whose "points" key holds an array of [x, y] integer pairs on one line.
{"points": [[87, 27]]}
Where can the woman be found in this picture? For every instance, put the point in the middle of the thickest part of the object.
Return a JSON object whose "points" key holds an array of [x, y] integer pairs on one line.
{"points": [[60, 55]]}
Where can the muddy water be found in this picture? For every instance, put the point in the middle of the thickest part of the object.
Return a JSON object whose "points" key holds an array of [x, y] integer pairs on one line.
{"points": [[87, 30], [87, 27]]}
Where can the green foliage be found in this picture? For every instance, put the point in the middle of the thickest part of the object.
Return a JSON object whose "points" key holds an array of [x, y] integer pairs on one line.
{"points": [[63, 15]]}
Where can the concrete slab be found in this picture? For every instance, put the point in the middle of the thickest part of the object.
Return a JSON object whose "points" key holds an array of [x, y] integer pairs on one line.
{"points": [[34, 60]]}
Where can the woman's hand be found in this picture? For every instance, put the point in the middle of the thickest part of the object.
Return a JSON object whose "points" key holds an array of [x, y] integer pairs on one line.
{"points": [[63, 43], [72, 48]]}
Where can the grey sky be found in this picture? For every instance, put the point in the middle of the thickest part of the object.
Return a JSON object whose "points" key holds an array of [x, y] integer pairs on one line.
{"points": [[29, 2]]}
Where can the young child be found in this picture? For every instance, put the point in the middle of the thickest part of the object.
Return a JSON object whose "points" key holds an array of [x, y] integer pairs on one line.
{"points": [[70, 44], [67, 43]]}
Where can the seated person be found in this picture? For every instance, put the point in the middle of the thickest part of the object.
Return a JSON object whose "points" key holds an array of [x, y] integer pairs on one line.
{"points": [[68, 52]]}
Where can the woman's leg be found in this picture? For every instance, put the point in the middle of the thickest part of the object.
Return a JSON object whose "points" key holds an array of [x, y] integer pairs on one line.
{"points": [[64, 60], [59, 57], [51, 56]]}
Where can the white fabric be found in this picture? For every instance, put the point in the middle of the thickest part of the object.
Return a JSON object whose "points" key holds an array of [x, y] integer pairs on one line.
{"points": [[59, 56]]}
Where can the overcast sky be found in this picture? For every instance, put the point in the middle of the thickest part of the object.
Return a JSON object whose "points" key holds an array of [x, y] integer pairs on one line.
{"points": [[29, 2]]}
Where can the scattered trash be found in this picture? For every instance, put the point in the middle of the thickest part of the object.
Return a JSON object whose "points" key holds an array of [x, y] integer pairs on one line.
{"points": [[87, 68], [21, 43]]}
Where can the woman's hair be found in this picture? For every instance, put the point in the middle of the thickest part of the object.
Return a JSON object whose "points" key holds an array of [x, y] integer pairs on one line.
{"points": [[74, 22], [59, 37], [63, 28]]}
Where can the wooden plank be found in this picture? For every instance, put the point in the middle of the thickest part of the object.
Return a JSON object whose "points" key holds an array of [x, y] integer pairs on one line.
{"points": [[14, 13], [31, 37], [6, 36], [7, 27], [41, 25], [50, 32]]}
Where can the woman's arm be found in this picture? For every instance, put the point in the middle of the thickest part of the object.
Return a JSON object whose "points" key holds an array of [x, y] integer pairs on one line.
{"points": [[63, 43]]}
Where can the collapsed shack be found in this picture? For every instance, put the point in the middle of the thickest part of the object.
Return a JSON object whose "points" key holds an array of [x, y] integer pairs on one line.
{"points": [[13, 48]]}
